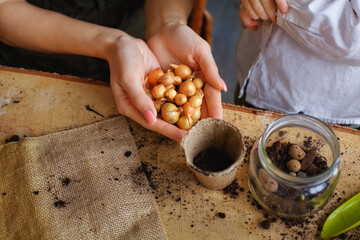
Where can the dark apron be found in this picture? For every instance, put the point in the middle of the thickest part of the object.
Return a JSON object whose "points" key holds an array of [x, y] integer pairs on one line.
{"points": [[114, 13]]}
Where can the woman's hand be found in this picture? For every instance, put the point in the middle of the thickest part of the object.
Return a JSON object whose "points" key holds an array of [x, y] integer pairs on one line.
{"points": [[177, 43], [130, 60], [252, 10]]}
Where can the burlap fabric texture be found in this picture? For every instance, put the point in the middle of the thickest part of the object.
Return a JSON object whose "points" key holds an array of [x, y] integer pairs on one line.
{"points": [[84, 183]]}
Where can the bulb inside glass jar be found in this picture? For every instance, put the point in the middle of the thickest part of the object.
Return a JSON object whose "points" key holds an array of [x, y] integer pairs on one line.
{"points": [[298, 190]]}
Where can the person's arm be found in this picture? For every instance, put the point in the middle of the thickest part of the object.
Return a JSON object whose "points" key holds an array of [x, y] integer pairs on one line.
{"points": [[130, 60], [172, 41], [328, 29], [27, 26]]}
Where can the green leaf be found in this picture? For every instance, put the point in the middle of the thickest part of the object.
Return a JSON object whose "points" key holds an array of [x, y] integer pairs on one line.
{"points": [[343, 219]]}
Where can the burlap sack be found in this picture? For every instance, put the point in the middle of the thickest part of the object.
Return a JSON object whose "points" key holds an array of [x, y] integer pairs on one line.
{"points": [[84, 183]]}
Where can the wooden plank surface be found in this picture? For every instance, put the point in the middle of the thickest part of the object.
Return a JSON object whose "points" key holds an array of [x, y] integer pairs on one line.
{"points": [[33, 104]]}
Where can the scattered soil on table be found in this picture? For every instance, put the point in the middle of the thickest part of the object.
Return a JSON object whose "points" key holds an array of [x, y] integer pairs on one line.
{"points": [[144, 167], [233, 189], [221, 215], [14, 138], [213, 160]]}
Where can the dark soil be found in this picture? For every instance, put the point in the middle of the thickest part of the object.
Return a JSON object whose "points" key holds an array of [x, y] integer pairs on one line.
{"points": [[66, 181], [213, 160], [233, 189], [268, 221], [128, 153], [286, 199], [59, 204], [146, 169], [312, 164], [14, 138]]}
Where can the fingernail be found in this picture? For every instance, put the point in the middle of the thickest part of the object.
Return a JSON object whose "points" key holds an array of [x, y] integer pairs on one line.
{"points": [[284, 9], [224, 85], [149, 116]]}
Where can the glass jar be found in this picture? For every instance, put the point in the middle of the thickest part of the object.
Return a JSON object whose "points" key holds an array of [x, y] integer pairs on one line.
{"points": [[294, 194]]}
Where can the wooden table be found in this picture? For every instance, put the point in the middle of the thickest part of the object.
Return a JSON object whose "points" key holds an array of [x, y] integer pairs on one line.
{"points": [[34, 104]]}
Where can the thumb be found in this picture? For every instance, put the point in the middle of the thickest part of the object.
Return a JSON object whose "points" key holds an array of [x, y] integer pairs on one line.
{"points": [[282, 6], [132, 83], [208, 66]]}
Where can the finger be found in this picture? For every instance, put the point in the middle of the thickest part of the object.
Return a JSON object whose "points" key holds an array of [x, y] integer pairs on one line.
{"points": [[133, 87], [208, 66], [269, 7], [247, 22], [159, 126], [150, 60], [282, 5], [204, 110], [249, 9], [131, 81], [259, 10], [213, 101]]}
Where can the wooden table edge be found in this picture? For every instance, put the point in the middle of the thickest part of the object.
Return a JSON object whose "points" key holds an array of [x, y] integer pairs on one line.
{"points": [[107, 84]]}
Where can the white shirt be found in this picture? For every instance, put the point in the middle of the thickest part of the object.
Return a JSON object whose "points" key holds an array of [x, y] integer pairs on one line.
{"points": [[309, 62]]}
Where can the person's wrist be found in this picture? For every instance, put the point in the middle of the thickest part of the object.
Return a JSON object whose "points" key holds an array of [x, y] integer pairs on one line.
{"points": [[160, 13], [157, 25], [109, 41]]}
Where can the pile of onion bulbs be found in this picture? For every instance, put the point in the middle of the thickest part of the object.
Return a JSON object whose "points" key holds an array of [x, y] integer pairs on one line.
{"points": [[177, 94]]}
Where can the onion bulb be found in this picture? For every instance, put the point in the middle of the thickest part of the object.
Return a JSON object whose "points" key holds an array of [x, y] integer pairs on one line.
{"points": [[188, 109], [177, 80], [198, 83], [159, 91], [196, 114], [170, 113], [171, 72], [154, 75], [187, 88], [180, 99], [196, 101], [184, 122], [170, 94], [199, 92], [182, 71], [158, 103], [166, 79], [171, 86]]}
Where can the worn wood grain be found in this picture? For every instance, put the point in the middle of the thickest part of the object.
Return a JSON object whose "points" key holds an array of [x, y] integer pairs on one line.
{"points": [[34, 104]]}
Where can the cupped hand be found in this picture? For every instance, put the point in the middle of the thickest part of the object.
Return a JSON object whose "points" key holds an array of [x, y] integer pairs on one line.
{"points": [[130, 61], [177, 43]]}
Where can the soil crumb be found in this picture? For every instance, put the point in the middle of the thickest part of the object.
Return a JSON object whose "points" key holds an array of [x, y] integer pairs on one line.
{"points": [[59, 204], [66, 181], [233, 189], [14, 138]]}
